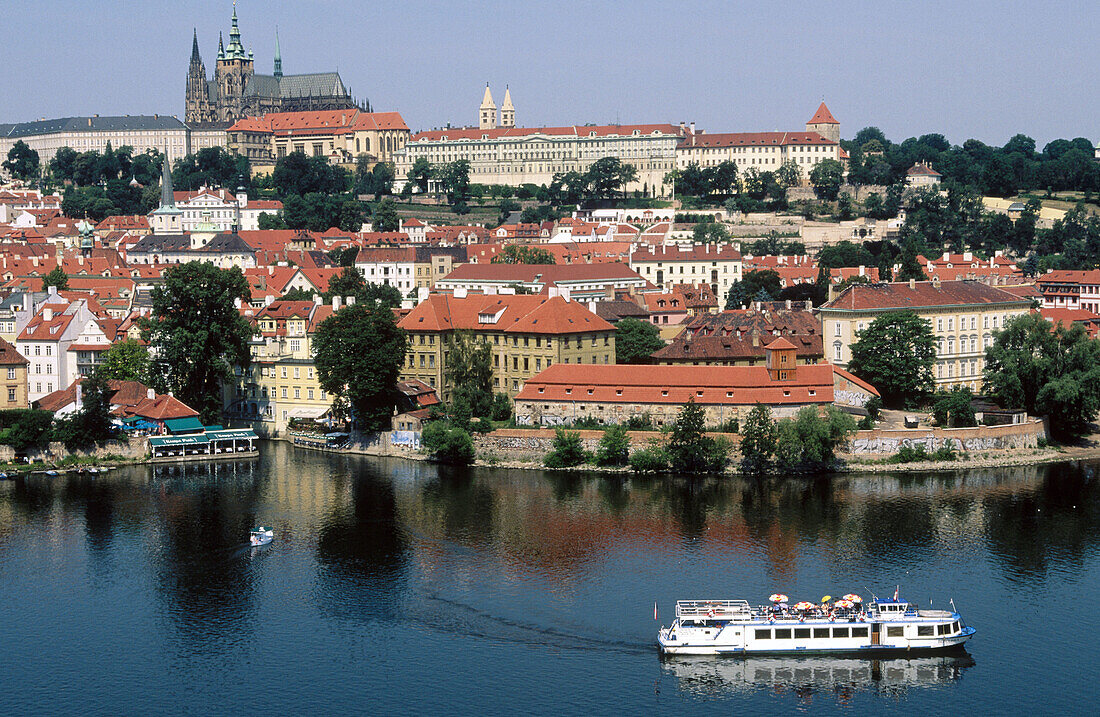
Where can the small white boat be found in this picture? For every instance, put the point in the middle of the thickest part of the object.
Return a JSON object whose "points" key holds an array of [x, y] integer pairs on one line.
{"points": [[261, 536]]}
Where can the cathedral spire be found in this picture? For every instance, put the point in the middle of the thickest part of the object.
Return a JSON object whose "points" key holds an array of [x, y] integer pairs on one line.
{"points": [[235, 50], [221, 46], [167, 197], [278, 57], [487, 113], [195, 58]]}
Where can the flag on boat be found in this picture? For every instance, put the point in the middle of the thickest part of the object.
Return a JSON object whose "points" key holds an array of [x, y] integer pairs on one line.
{"points": [[654, 609], [896, 589]]}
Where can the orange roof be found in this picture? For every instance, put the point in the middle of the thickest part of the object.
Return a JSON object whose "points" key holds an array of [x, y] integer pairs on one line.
{"points": [[823, 116], [747, 139], [520, 313], [779, 344], [922, 294], [713, 385], [471, 133], [379, 120]]}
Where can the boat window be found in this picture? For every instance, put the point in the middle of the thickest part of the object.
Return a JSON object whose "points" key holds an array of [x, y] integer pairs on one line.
{"points": [[840, 632], [821, 632], [924, 631], [895, 631], [859, 632], [783, 634], [955, 626], [943, 629], [763, 634], [801, 633]]}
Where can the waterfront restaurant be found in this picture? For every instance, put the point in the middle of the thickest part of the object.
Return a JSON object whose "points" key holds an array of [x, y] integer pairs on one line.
{"points": [[210, 444]]}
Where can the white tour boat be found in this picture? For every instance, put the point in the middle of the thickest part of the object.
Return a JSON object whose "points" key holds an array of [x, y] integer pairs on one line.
{"points": [[261, 536], [717, 627]]}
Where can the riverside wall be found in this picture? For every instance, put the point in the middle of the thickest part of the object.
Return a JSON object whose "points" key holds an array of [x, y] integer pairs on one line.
{"points": [[134, 448], [1012, 437]]}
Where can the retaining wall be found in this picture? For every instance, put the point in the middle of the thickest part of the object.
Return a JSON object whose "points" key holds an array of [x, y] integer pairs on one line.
{"points": [[1011, 437]]}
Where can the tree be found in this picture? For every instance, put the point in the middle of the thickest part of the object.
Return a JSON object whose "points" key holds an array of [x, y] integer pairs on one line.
{"points": [[826, 177], [270, 221], [420, 173], [298, 174], [349, 282], [895, 354], [614, 448], [213, 167], [607, 175], [1048, 370], [344, 256], [844, 254], [298, 294], [501, 409], [469, 372], [197, 335], [22, 162], [56, 277], [385, 217], [809, 440], [522, 254], [92, 423], [454, 179], [23, 429], [758, 285], [789, 174], [689, 449], [358, 352], [448, 443], [709, 233], [125, 361], [636, 340], [61, 166], [566, 451], [953, 408], [758, 440]]}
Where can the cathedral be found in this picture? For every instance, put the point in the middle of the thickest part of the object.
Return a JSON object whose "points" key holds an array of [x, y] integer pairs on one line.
{"points": [[237, 91]]}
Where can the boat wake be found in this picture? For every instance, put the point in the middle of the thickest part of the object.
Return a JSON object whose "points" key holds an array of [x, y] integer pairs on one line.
{"points": [[459, 618]]}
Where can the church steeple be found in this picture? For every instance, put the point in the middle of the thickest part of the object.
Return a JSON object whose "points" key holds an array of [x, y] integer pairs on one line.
{"points": [[167, 196], [236, 50], [507, 111], [488, 111], [278, 57], [221, 46], [196, 59]]}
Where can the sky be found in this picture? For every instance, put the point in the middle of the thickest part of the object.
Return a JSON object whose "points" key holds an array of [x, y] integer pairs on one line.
{"points": [[972, 69]]}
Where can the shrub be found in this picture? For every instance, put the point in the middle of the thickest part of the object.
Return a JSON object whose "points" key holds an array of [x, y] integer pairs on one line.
{"points": [[481, 425], [953, 408], [587, 423], [730, 426], [448, 443], [23, 429], [614, 448], [758, 442], [946, 452], [873, 408], [910, 454], [644, 422], [567, 451], [651, 459]]}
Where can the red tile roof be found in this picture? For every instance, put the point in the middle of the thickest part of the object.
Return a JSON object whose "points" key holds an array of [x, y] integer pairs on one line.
{"points": [[521, 313], [550, 273], [696, 253], [9, 356], [823, 116], [571, 130], [754, 139], [922, 294]]}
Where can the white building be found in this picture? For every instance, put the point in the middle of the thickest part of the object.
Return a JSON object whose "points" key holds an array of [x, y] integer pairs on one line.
{"points": [[45, 342], [218, 210], [716, 265], [395, 267]]}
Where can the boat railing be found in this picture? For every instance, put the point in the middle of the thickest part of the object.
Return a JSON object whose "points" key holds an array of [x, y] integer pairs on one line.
{"points": [[732, 609]]}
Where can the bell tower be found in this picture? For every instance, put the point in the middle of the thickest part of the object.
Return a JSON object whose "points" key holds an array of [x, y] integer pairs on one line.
{"points": [[507, 111], [233, 73], [488, 114]]}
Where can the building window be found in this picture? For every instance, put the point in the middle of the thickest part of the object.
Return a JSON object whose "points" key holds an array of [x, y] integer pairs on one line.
{"points": [[282, 392], [837, 351], [836, 329], [11, 395]]}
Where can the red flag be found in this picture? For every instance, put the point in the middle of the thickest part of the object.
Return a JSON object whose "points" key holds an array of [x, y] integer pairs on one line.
{"points": [[896, 589], [654, 609]]}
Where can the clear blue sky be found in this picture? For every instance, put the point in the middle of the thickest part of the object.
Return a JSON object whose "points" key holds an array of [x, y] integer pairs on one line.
{"points": [[976, 68]]}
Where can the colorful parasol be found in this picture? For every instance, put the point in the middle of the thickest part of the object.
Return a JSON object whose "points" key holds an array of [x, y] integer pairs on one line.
{"points": [[826, 599], [778, 597], [843, 603], [804, 605], [853, 597]]}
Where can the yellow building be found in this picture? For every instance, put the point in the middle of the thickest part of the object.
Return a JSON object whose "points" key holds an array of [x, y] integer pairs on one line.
{"points": [[282, 383], [13, 372], [527, 332], [963, 315], [339, 135]]}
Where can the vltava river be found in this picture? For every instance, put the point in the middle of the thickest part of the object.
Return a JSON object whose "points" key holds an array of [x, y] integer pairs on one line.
{"points": [[396, 587]]}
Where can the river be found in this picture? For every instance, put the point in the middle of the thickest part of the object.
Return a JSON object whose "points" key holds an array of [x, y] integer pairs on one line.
{"points": [[402, 587]]}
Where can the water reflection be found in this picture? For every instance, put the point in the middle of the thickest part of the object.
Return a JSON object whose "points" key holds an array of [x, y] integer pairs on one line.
{"points": [[808, 677]]}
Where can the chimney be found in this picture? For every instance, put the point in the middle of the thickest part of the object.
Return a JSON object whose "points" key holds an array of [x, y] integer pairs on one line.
{"points": [[693, 128], [913, 284], [349, 300], [268, 300], [79, 402], [336, 303], [862, 270], [151, 394], [47, 314], [755, 337], [947, 256], [788, 304]]}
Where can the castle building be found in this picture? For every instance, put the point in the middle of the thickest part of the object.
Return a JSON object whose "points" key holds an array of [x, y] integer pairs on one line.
{"points": [[236, 90]]}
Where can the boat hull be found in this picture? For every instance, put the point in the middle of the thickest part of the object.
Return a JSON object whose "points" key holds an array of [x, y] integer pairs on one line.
{"points": [[910, 647]]}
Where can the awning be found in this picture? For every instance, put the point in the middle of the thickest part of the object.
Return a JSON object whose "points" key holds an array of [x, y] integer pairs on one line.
{"points": [[307, 412], [183, 425]]}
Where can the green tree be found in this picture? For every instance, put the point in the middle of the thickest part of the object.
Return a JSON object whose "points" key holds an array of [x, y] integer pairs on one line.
{"points": [[895, 354], [566, 451], [1048, 370], [298, 294], [125, 361], [385, 217], [454, 180], [789, 174], [826, 177], [420, 173], [298, 174], [22, 162], [469, 372], [56, 277], [607, 175], [614, 448], [709, 233], [953, 408], [197, 335], [636, 340], [758, 439], [758, 285], [210, 166], [501, 409], [91, 424], [448, 443], [689, 449], [809, 441], [359, 352], [523, 254], [23, 429], [270, 221]]}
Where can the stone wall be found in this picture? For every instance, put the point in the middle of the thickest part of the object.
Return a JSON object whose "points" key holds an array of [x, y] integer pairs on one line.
{"points": [[133, 448], [1012, 437]]}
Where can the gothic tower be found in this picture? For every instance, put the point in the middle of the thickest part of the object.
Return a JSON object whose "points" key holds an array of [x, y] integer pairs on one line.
{"points": [[507, 111], [232, 74], [824, 124], [278, 57], [488, 119], [198, 105]]}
